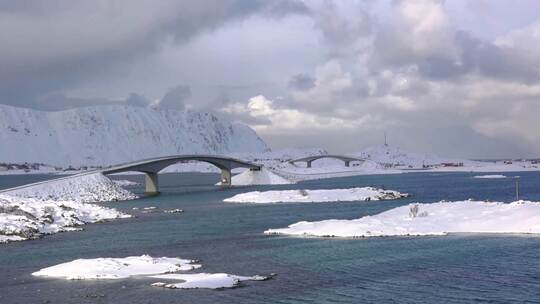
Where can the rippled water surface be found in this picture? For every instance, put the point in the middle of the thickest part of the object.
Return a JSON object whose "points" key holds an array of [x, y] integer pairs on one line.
{"points": [[228, 238]]}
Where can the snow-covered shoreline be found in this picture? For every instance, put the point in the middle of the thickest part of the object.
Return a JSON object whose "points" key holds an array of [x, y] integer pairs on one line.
{"points": [[48, 207], [29, 218], [429, 219], [321, 195], [162, 268], [86, 188]]}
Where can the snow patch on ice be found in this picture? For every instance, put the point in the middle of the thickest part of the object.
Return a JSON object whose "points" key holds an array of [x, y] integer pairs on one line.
{"points": [[116, 268], [204, 280], [87, 188], [491, 176], [177, 210], [430, 219], [322, 195], [27, 218]]}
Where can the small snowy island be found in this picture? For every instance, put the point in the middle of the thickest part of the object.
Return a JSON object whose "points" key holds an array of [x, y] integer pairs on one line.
{"points": [[311, 196], [429, 219], [162, 268]]}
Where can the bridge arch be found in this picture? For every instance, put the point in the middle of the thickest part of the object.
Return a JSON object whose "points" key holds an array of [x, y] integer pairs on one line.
{"points": [[151, 168], [308, 160]]}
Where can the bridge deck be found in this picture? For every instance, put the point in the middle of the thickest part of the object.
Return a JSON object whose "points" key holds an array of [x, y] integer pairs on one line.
{"points": [[152, 166]]}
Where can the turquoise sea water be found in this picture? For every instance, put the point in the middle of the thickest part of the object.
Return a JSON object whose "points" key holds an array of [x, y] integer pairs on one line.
{"points": [[228, 238]]}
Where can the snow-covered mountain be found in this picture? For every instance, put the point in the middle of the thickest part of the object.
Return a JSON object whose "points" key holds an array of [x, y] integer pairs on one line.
{"points": [[104, 135]]}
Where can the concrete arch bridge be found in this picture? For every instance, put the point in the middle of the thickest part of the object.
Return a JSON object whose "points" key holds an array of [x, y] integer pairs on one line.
{"points": [[151, 167], [310, 159]]}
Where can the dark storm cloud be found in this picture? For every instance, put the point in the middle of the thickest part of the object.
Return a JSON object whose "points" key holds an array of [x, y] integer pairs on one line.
{"points": [[137, 100], [337, 29], [498, 62], [50, 46], [176, 98], [485, 58], [301, 82], [59, 101], [392, 49]]}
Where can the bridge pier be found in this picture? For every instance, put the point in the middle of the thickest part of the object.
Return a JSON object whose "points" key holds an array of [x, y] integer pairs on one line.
{"points": [[226, 177], [151, 183]]}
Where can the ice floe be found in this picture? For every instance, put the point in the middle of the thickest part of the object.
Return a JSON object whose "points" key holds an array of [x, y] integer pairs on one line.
{"points": [[322, 195], [163, 268], [87, 188], [26, 218], [430, 219], [491, 176], [116, 268], [177, 210], [204, 280]]}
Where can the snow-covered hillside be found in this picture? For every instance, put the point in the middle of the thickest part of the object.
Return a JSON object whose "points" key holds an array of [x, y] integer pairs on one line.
{"points": [[104, 135], [395, 156]]}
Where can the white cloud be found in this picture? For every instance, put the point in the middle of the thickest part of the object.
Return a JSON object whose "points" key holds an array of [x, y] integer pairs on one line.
{"points": [[284, 120]]}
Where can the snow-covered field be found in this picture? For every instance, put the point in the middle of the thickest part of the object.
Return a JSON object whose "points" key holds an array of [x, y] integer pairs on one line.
{"points": [[379, 160], [430, 219], [323, 195], [382, 159], [398, 157], [83, 188], [28, 218], [145, 266]]}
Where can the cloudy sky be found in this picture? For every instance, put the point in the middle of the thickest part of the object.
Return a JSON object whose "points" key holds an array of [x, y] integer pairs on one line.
{"points": [[458, 78]]}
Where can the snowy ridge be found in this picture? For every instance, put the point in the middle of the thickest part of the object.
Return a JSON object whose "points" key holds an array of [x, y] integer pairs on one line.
{"points": [[430, 219], [105, 135]]}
